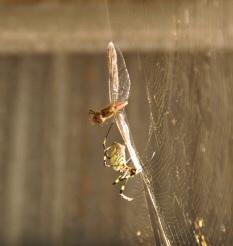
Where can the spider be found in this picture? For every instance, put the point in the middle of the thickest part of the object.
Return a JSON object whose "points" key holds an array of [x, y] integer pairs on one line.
{"points": [[118, 162]]}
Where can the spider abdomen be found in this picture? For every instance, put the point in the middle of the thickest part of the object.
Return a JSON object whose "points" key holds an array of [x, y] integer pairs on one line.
{"points": [[117, 156]]}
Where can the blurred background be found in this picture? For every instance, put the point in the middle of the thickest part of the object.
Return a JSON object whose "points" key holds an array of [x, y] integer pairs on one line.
{"points": [[54, 189]]}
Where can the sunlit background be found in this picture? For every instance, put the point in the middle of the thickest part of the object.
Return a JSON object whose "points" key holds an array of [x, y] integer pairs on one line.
{"points": [[54, 189]]}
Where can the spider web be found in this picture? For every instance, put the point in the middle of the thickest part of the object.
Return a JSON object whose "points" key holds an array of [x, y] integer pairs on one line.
{"points": [[187, 82]]}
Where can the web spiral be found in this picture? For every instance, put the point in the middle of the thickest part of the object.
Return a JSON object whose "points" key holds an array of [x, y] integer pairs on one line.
{"points": [[188, 90]]}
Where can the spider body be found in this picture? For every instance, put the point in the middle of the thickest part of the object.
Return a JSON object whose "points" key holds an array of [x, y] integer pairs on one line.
{"points": [[116, 154]]}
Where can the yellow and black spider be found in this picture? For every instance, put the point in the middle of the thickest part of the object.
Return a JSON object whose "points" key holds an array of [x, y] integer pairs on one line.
{"points": [[118, 162]]}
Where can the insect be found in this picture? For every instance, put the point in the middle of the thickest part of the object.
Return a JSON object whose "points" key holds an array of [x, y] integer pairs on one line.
{"points": [[106, 113], [118, 162], [118, 92]]}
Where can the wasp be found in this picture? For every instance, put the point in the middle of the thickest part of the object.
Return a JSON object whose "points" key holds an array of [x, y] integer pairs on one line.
{"points": [[100, 117]]}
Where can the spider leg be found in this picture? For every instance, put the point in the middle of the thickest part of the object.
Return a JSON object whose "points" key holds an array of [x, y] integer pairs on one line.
{"points": [[123, 195], [106, 149], [128, 173], [106, 156], [121, 178], [118, 179], [125, 176]]}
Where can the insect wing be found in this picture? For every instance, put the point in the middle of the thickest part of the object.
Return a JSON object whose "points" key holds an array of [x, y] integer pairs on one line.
{"points": [[123, 77], [119, 82], [113, 73], [123, 127]]}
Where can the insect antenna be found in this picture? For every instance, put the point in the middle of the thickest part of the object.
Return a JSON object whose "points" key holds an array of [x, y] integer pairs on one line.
{"points": [[91, 112]]}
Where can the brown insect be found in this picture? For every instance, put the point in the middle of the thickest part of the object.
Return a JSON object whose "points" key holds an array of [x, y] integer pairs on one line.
{"points": [[105, 113]]}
